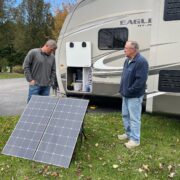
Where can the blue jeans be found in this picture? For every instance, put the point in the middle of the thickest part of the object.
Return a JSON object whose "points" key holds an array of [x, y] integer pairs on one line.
{"points": [[38, 90], [131, 115]]}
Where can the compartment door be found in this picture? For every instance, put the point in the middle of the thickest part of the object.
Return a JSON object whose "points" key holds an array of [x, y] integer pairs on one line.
{"points": [[78, 54]]}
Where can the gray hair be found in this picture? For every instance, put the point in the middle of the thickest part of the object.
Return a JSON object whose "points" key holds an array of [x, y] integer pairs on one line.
{"points": [[134, 44], [51, 43]]}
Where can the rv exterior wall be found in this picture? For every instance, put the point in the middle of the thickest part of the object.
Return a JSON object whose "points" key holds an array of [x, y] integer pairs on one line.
{"points": [[144, 19], [85, 23], [165, 43]]}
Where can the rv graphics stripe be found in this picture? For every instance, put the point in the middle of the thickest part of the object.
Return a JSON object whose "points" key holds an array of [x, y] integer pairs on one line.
{"points": [[103, 70], [152, 71], [98, 23], [100, 64]]}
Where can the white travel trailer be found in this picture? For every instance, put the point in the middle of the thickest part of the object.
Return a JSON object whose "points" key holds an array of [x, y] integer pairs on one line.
{"points": [[90, 54]]}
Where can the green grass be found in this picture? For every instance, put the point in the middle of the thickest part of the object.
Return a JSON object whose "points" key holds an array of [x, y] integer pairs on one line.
{"points": [[10, 75], [156, 158]]}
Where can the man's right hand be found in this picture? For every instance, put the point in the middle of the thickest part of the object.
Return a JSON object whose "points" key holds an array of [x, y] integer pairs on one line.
{"points": [[32, 82]]}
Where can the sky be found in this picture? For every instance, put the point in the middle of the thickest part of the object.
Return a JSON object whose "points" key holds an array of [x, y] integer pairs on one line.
{"points": [[54, 3]]}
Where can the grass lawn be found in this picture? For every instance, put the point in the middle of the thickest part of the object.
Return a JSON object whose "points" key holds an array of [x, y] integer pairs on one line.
{"points": [[10, 75], [102, 156]]}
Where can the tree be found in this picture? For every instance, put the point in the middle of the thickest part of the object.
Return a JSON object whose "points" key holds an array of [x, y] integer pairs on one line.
{"points": [[6, 31], [5, 10], [27, 26], [34, 22], [6, 24], [60, 15], [59, 18]]}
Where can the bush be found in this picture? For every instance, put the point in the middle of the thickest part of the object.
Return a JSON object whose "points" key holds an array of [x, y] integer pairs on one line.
{"points": [[3, 65], [18, 69]]}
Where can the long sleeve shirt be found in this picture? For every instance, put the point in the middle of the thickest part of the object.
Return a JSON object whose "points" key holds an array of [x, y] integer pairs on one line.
{"points": [[134, 77], [40, 67]]}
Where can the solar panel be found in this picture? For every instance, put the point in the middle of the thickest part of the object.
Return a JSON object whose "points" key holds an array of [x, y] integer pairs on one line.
{"points": [[59, 139], [48, 130], [25, 138]]}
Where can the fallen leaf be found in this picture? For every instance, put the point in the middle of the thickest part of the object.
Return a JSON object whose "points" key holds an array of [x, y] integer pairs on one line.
{"points": [[45, 169], [113, 144], [140, 170], [93, 107], [170, 167], [160, 166], [145, 167], [55, 174], [90, 165], [115, 166], [171, 175], [150, 157], [81, 177]]}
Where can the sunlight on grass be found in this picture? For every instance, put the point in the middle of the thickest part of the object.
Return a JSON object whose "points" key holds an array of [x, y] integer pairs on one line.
{"points": [[10, 75], [102, 155]]}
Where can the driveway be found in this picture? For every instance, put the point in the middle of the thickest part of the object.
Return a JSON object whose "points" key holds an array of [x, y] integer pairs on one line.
{"points": [[13, 96]]}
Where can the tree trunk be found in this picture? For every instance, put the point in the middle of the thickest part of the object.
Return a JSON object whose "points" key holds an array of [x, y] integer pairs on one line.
{"points": [[11, 69]]}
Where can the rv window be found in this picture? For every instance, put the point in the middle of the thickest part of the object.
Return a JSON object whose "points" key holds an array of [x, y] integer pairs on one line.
{"points": [[172, 10], [112, 39]]}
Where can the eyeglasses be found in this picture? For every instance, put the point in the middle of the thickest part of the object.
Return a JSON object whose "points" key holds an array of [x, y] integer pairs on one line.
{"points": [[128, 48]]}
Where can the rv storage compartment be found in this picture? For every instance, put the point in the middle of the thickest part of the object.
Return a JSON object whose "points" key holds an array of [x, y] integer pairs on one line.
{"points": [[74, 75], [169, 81], [79, 71], [79, 79]]}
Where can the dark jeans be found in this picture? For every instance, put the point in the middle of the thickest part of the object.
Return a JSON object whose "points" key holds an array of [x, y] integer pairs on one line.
{"points": [[38, 90]]}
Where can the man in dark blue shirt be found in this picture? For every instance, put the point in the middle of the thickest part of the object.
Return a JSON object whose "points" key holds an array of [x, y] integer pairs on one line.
{"points": [[132, 89]]}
